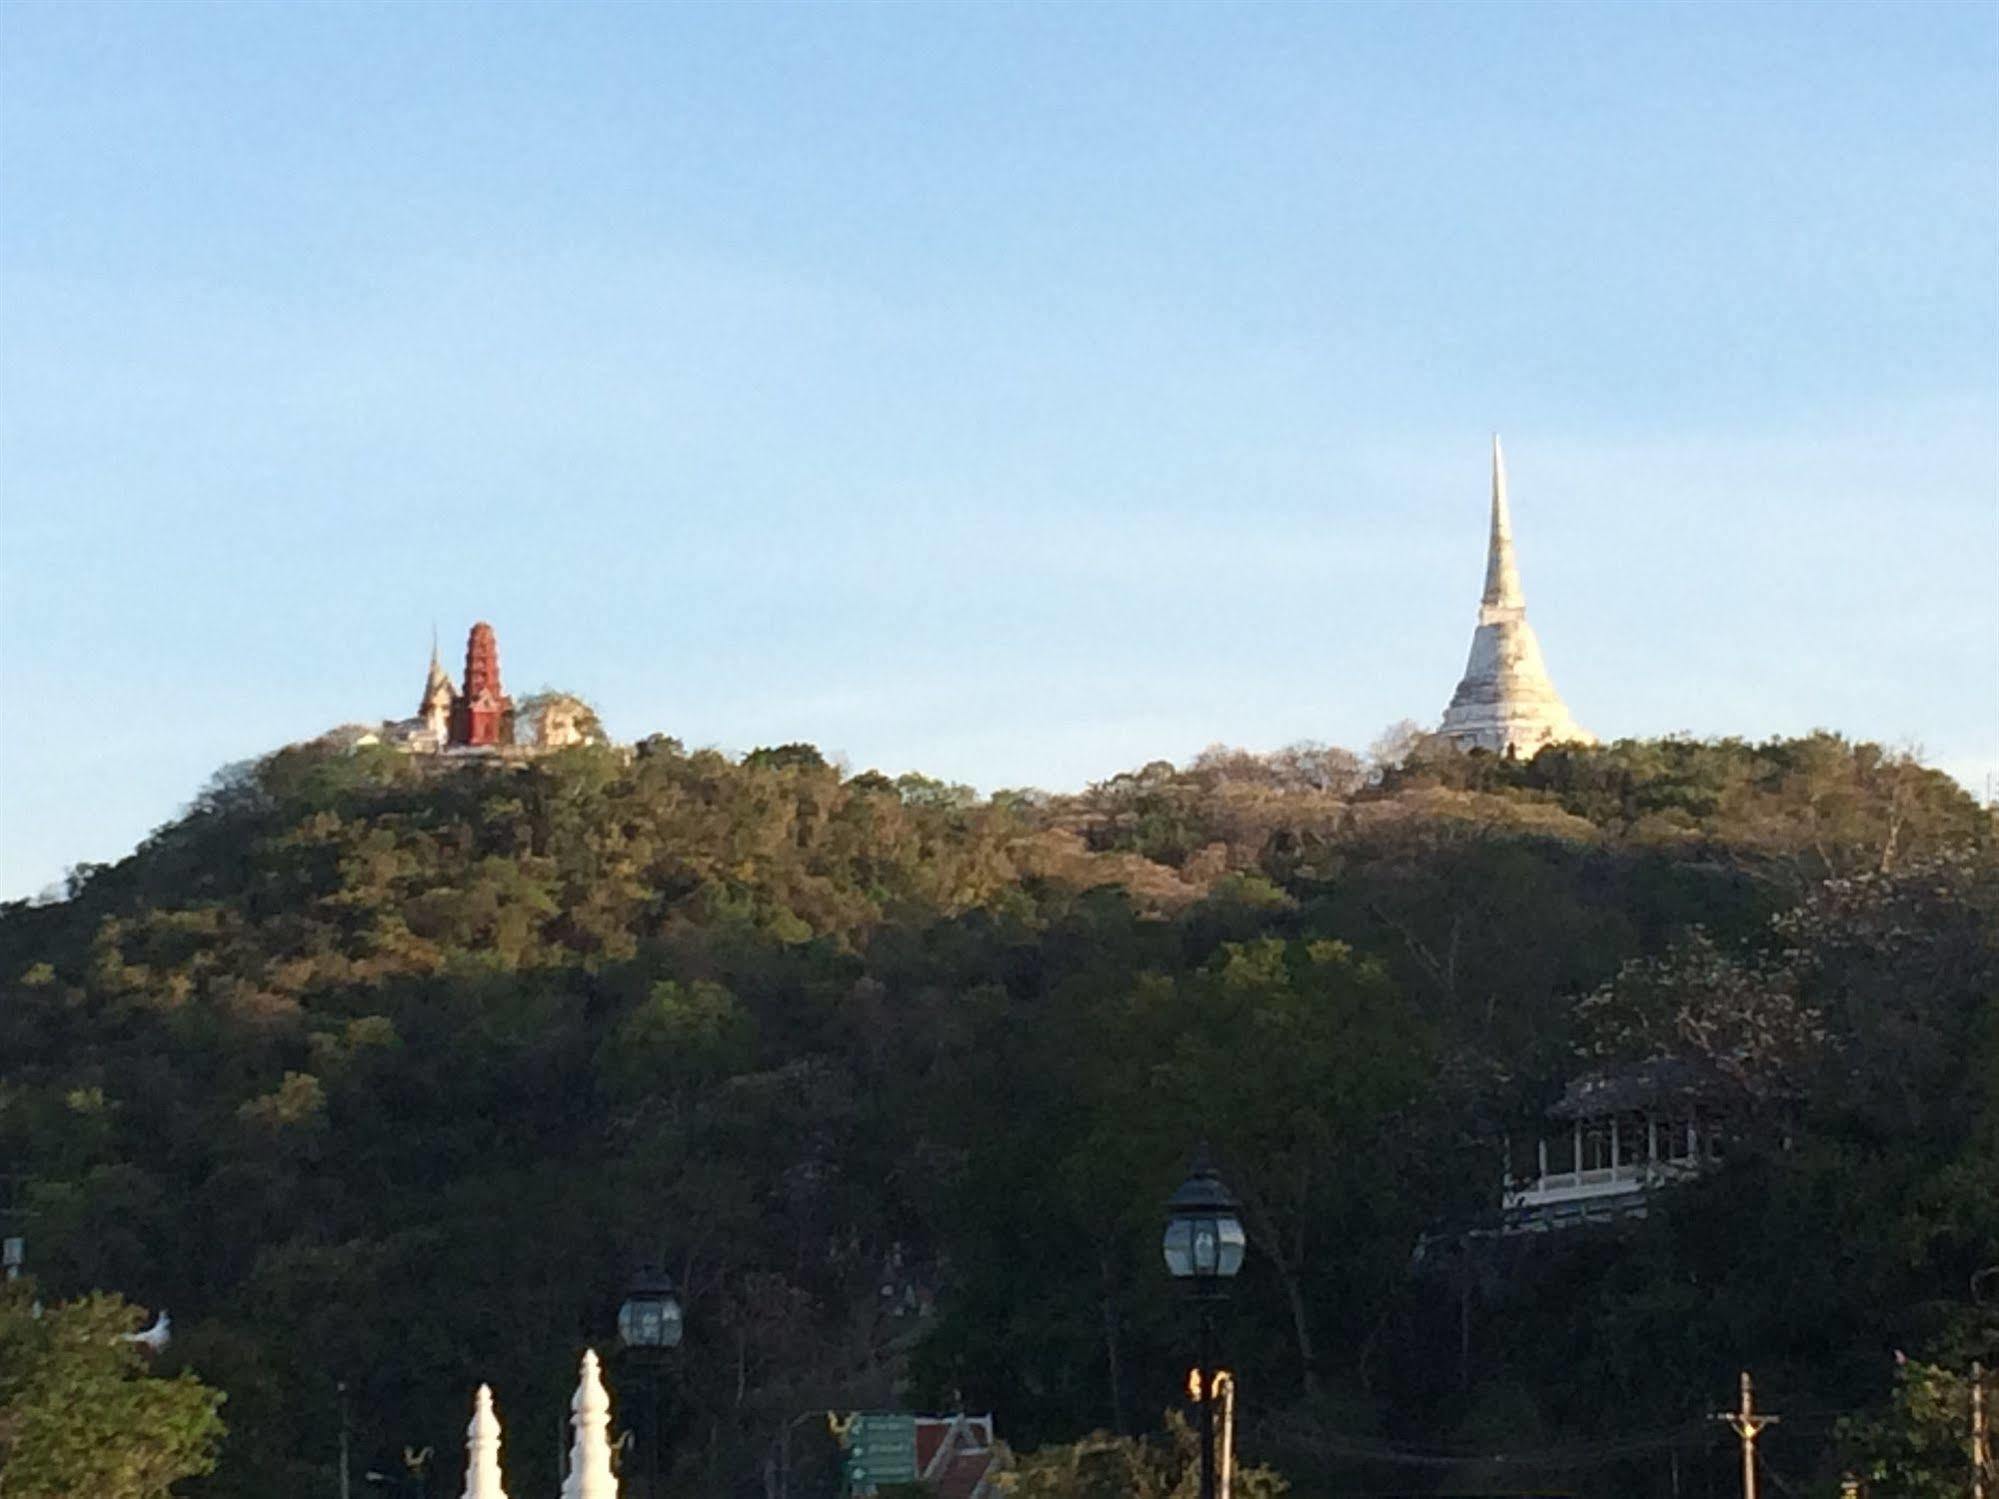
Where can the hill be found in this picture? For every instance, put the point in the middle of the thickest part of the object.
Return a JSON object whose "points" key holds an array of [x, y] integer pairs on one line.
{"points": [[389, 1075]]}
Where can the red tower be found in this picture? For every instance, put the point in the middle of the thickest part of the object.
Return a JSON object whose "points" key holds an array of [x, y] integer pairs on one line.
{"points": [[483, 713]]}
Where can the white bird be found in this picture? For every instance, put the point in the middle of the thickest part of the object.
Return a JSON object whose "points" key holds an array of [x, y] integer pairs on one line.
{"points": [[154, 1338]]}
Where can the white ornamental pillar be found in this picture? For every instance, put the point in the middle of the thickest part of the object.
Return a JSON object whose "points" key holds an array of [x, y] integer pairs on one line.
{"points": [[590, 1475], [482, 1449]]}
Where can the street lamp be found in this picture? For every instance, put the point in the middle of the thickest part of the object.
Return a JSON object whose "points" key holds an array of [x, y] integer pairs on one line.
{"points": [[649, 1323], [650, 1317], [1204, 1246]]}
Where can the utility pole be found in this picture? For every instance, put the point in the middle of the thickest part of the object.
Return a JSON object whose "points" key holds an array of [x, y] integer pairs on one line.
{"points": [[1981, 1459], [1747, 1424], [340, 1386], [1207, 1402]]}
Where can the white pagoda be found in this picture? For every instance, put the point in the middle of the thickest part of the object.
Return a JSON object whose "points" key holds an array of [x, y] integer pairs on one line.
{"points": [[1506, 704]]}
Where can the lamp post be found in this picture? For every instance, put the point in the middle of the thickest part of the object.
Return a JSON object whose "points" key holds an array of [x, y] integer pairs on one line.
{"points": [[649, 1323], [1204, 1247], [346, 1465]]}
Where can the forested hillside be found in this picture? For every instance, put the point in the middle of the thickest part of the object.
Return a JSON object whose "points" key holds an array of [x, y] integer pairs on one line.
{"points": [[389, 1074]]}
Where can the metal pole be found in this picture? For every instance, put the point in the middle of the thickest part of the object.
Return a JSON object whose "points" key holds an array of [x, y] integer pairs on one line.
{"points": [[1207, 1401], [652, 1447], [345, 1476], [1464, 1317], [1978, 1455]]}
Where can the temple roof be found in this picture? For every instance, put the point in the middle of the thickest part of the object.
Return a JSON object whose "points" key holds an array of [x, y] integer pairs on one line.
{"points": [[1663, 1083], [434, 681]]}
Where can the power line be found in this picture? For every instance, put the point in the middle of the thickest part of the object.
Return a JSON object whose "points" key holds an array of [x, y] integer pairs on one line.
{"points": [[1695, 1432], [1567, 1455]]}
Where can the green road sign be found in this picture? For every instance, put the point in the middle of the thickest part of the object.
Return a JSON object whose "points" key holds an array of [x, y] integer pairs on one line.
{"points": [[881, 1449]]}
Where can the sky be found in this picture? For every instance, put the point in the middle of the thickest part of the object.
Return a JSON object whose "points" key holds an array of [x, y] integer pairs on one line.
{"points": [[1013, 393]]}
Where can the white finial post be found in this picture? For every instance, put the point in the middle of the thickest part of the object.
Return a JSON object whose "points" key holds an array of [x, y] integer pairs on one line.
{"points": [[482, 1450], [590, 1475]]}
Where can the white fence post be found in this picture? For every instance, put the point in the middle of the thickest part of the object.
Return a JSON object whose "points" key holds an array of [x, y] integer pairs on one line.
{"points": [[590, 1474], [482, 1449]]}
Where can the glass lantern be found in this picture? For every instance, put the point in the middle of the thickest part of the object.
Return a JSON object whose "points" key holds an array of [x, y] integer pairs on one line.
{"points": [[650, 1317], [1204, 1242]]}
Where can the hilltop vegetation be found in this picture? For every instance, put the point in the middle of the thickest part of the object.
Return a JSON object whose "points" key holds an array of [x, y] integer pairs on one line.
{"points": [[382, 1073]]}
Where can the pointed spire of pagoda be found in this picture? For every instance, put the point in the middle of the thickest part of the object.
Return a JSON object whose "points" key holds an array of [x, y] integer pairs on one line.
{"points": [[434, 707], [590, 1475], [436, 677], [482, 1450], [1502, 573], [1505, 702]]}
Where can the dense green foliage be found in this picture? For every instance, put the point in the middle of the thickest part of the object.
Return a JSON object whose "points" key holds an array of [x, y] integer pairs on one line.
{"points": [[80, 1413], [1915, 1449], [387, 1073]]}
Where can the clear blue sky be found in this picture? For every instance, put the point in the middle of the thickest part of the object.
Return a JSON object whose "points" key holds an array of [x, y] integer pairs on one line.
{"points": [[1017, 393]]}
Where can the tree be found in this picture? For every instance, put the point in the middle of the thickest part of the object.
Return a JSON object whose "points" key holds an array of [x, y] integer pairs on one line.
{"points": [[1916, 1449], [1737, 1021], [785, 757], [1102, 1466], [1300, 1065], [79, 1412], [1395, 745]]}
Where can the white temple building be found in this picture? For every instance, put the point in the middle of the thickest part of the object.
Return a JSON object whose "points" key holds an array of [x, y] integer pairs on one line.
{"points": [[1506, 704], [1613, 1139]]}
